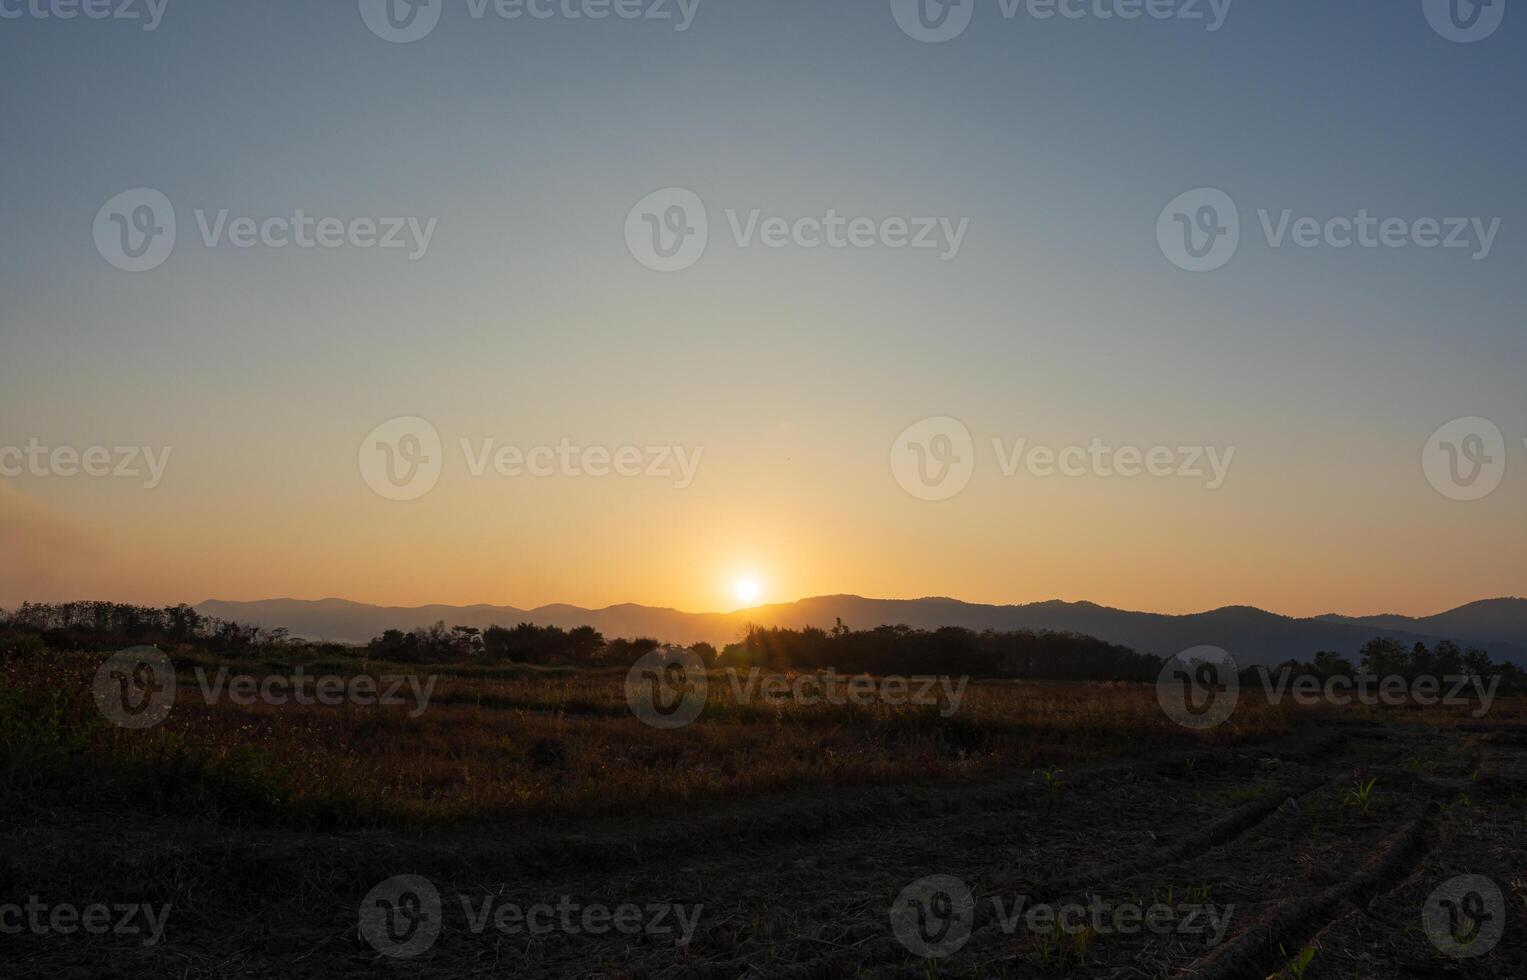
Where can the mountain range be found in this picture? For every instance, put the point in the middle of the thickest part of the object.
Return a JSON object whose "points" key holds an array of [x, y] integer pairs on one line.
{"points": [[1253, 635]]}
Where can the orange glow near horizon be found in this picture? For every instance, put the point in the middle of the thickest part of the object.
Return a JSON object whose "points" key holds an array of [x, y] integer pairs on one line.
{"points": [[795, 518]]}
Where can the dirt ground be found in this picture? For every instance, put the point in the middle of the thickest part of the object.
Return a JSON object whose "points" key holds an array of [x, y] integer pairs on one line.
{"points": [[805, 885]]}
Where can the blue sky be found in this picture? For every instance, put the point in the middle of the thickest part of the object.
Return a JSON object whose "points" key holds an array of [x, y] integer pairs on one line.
{"points": [[529, 140]]}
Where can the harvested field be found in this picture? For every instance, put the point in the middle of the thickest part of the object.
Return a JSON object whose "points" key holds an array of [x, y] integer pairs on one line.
{"points": [[772, 843]]}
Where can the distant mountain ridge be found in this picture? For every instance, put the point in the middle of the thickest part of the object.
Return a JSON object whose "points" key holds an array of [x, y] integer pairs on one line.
{"points": [[1253, 636], [1496, 620]]}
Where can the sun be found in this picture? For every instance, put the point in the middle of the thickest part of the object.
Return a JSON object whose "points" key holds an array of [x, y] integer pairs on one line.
{"points": [[747, 590]]}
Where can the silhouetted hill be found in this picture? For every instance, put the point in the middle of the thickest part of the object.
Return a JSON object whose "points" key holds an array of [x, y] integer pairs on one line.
{"points": [[1253, 635], [1494, 620]]}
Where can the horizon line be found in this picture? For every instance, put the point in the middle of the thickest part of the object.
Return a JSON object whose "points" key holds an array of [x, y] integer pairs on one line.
{"points": [[853, 595]]}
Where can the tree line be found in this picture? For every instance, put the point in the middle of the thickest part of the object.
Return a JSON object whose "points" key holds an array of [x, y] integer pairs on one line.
{"points": [[100, 625], [1026, 654], [1384, 656], [949, 650], [526, 643]]}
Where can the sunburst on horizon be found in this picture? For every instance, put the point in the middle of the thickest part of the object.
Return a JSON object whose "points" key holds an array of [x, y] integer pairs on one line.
{"points": [[747, 591]]}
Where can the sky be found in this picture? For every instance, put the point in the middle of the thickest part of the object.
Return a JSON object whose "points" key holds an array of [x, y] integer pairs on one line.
{"points": [[580, 279]]}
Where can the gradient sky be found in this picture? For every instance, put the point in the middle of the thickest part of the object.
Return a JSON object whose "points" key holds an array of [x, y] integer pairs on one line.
{"points": [[528, 320]]}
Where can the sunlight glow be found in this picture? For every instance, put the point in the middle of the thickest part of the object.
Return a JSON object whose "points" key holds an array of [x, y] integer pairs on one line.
{"points": [[747, 590]]}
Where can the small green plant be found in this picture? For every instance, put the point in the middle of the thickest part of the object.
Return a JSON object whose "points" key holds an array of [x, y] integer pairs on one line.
{"points": [[1048, 943], [1361, 795], [1051, 779], [1298, 966], [1081, 942]]}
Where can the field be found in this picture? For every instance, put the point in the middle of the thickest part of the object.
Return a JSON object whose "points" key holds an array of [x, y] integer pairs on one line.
{"points": [[780, 837]]}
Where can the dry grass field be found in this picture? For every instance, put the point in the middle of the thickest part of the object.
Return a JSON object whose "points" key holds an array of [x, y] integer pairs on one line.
{"points": [[526, 743], [791, 831]]}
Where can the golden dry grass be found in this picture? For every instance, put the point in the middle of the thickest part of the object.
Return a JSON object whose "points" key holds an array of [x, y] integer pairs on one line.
{"points": [[530, 743]]}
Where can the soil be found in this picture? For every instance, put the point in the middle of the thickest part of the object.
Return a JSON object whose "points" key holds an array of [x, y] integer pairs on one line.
{"points": [[803, 885]]}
